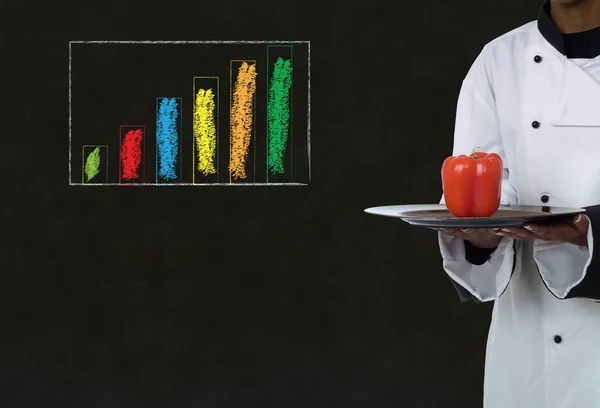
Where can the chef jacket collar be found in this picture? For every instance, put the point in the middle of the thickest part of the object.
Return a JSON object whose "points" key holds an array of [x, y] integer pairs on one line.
{"points": [[551, 33]]}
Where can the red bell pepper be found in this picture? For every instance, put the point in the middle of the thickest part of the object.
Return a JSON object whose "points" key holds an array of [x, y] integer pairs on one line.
{"points": [[472, 184]]}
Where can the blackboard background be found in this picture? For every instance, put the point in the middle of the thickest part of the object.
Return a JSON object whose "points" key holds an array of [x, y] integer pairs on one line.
{"points": [[289, 296]]}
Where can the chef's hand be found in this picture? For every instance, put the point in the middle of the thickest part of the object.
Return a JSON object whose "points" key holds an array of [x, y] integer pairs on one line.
{"points": [[479, 237], [572, 231]]}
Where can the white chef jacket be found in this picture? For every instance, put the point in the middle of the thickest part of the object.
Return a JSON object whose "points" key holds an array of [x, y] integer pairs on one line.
{"points": [[540, 112]]}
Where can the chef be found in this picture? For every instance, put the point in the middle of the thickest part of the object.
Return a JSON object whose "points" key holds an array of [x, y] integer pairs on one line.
{"points": [[533, 96]]}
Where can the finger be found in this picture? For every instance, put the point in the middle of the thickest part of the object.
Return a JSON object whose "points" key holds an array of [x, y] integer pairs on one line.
{"points": [[509, 235], [560, 232], [523, 233], [497, 231], [546, 232], [518, 233], [453, 232]]}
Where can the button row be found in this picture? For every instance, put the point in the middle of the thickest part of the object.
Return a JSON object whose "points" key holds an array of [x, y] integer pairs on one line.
{"points": [[535, 124]]}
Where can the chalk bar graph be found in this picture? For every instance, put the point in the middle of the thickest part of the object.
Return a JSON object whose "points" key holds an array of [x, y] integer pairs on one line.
{"points": [[132, 166], [214, 113], [279, 112], [242, 79], [94, 169], [205, 161], [168, 139]]}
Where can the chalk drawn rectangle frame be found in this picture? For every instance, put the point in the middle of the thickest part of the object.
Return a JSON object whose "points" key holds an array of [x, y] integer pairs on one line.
{"points": [[308, 124]]}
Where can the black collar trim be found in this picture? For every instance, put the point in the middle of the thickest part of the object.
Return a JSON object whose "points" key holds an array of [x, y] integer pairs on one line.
{"points": [[579, 45], [548, 29]]}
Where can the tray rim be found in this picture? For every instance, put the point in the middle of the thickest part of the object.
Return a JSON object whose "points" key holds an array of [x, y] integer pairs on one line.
{"points": [[472, 222]]}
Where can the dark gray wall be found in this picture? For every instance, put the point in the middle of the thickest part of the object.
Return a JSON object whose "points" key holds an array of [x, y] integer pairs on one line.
{"points": [[324, 306]]}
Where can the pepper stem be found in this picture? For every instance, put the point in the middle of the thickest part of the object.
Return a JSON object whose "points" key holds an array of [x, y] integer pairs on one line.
{"points": [[474, 155]]}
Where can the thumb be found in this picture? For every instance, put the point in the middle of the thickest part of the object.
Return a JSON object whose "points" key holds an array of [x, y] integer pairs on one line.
{"points": [[581, 221]]}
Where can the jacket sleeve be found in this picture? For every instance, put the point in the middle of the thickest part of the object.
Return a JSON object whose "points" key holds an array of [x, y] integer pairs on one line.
{"points": [[479, 275], [571, 271]]}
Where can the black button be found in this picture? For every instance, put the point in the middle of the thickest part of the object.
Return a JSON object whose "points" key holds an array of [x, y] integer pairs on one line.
{"points": [[535, 124], [544, 198], [537, 59], [557, 339]]}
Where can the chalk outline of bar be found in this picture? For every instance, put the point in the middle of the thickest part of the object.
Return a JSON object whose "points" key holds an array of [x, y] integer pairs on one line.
{"points": [[216, 123], [291, 47], [180, 136], [143, 152], [83, 164], [308, 127], [254, 119]]}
